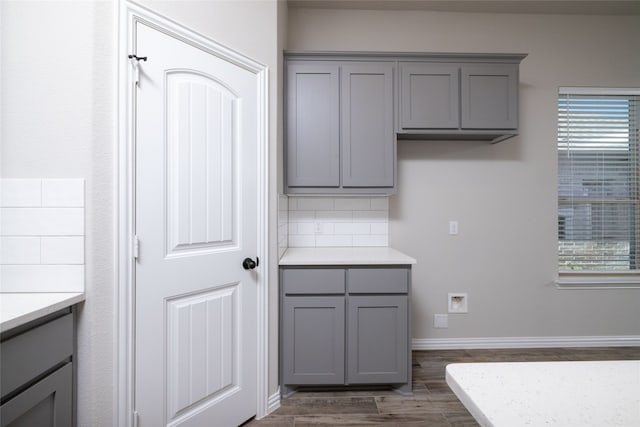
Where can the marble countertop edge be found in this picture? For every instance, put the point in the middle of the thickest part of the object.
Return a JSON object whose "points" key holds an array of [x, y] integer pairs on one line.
{"points": [[367, 255], [18, 308]]}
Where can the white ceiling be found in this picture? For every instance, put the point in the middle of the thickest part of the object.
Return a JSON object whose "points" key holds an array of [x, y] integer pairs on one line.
{"points": [[572, 7]]}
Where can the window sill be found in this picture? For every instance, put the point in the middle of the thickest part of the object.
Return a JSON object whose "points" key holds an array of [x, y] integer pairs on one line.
{"points": [[598, 281]]}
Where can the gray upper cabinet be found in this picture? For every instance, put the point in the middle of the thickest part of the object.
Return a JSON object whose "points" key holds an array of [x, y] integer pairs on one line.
{"points": [[345, 112], [313, 125], [429, 96], [458, 100], [489, 96], [340, 127], [368, 149]]}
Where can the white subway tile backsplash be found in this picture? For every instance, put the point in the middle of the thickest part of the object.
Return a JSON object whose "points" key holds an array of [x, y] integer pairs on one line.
{"points": [[352, 228], [361, 228], [343, 228], [302, 241], [292, 203], [42, 278], [333, 241], [315, 204], [334, 216], [300, 216], [305, 228], [19, 193], [338, 221], [325, 228], [63, 250], [371, 240], [42, 229], [379, 228], [351, 204], [380, 203], [371, 216], [42, 221], [62, 193], [19, 250], [283, 224]]}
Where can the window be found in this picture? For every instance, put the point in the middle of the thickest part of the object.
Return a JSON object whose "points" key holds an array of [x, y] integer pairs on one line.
{"points": [[598, 181]]}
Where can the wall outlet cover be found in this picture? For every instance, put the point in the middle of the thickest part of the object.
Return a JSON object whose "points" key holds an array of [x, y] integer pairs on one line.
{"points": [[458, 302]]}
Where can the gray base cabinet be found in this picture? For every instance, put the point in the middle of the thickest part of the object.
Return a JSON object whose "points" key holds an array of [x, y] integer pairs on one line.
{"points": [[47, 403], [377, 345], [38, 373], [316, 357], [345, 326]]}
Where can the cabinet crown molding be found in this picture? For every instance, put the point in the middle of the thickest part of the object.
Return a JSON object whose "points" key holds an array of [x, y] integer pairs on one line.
{"points": [[505, 58]]}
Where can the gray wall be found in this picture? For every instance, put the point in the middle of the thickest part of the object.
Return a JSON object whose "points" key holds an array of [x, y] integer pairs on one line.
{"points": [[504, 195]]}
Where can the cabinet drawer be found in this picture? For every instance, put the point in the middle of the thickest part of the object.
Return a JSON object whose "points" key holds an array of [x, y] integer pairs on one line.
{"points": [[378, 280], [30, 354], [314, 281], [49, 402]]}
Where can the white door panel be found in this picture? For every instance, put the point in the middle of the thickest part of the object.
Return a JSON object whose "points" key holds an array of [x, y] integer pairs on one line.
{"points": [[196, 219], [202, 134]]}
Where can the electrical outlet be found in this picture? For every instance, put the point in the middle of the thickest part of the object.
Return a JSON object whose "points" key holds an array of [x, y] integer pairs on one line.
{"points": [[318, 229], [440, 321], [458, 303], [453, 228]]}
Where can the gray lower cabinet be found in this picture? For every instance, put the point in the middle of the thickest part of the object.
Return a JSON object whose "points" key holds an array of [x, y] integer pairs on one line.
{"points": [[38, 373], [340, 127], [377, 345], [345, 326], [314, 344]]}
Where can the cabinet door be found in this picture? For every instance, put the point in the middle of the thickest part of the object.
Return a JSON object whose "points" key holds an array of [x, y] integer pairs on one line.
{"points": [[313, 120], [47, 403], [313, 340], [489, 96], [378, 339], [368, 139], [429, 96]]}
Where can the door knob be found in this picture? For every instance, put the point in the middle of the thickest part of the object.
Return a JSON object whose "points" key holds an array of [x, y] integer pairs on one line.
{"points": [[249, 264]]}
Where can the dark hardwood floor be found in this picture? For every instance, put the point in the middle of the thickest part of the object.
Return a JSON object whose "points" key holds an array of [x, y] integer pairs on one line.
{"points": [[433, 403]]}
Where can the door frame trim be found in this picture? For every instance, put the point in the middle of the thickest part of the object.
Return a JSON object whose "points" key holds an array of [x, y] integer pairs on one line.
{"points": [[127, 15]]}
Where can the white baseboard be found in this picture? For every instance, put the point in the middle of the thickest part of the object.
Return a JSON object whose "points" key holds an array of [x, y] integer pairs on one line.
{"points": [[274, 402], [525, 342]]}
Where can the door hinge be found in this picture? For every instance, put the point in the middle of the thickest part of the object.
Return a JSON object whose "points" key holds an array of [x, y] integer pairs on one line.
{"points": [[136, 247], [135, 419]]}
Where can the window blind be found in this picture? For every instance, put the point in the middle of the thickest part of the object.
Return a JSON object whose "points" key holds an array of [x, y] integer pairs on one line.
{"points": [[598, 183]]}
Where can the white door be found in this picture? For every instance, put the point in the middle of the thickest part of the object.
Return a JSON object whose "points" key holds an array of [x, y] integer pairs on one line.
{"points": [[196, 221]]}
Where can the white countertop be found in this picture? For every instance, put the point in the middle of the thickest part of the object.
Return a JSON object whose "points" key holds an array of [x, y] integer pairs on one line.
{"points": [[345, 256], [562, 394], [19, 308]]}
